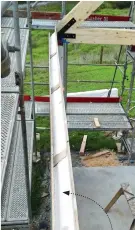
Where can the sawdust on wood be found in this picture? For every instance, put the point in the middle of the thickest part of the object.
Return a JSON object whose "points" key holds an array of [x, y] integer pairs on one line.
{"points": [[103, 160]]}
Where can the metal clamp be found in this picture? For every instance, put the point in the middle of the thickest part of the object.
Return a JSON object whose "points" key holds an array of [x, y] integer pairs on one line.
{"points": [[13, 49], [61, 34]]}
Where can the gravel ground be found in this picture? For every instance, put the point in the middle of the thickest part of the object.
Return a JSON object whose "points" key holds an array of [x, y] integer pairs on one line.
{"points": [[76, 160]]}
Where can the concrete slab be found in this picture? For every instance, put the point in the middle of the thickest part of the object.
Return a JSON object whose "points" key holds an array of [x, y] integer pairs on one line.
{"points": [[101, 184]]}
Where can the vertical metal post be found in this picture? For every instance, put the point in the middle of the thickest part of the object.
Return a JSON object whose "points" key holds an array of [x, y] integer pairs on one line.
{"points": [[131, 11], [63, 11], [101, 54], [65, 58], [131, 87], [60, 48], [124, 77], [22, 110], [132, 156], [29, 22], [116, 67], [65, 66]]}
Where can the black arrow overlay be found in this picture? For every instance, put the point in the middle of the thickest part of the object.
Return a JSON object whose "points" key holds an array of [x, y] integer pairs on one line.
{"points": [[68, 193]]}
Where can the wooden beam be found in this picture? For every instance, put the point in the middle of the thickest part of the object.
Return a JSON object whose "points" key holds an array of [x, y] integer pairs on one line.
{"points": [[103, 36], [80, 12], [114, 199], [83, 145], [99, 154]]}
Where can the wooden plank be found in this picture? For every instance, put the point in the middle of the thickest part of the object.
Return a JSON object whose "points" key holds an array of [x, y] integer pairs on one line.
{"points": [[96, 121], [103, 36], [83, 145], [114, 199], [99, 154], [80, 12]]}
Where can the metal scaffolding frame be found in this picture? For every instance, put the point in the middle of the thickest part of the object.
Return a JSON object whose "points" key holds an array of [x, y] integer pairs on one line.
{"points": [[17, 131], [63, 59], [65, 113], [29, 19], [63, 56], [19, 75]]}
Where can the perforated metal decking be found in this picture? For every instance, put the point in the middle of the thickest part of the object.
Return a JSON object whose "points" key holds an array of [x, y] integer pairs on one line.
{"points": [[8, 22], [9, 105], [50, 24], [81, 115], [14, 199], [14, 209], [107, 122]]}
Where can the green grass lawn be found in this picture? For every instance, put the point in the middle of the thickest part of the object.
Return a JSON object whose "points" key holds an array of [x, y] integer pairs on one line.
{"points": [[105, 8], [79, 53]]}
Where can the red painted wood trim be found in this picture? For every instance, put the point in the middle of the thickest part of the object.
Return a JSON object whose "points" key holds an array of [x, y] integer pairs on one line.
{"points": [[27, 98], [94, 99], [42, 99], [93, 17], [97, 17], [46, 15], [78, 99], [132, 48]]}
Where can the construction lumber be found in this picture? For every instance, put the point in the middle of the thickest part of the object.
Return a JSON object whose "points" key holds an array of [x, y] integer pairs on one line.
{"points": [[99, 154], [129, 195], [80, 12], [113, 201], [83, 145], [60, 149], [96, 121], [103, 36]]}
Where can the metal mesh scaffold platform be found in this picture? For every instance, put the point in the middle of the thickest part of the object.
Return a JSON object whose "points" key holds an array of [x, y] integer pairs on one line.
{"points": [[42, 108], [14, 209], [8, 83], [14, 200], [95, 108], [50, 24], [81, 115], [107, 122], [8, 22], [9, 105]]}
